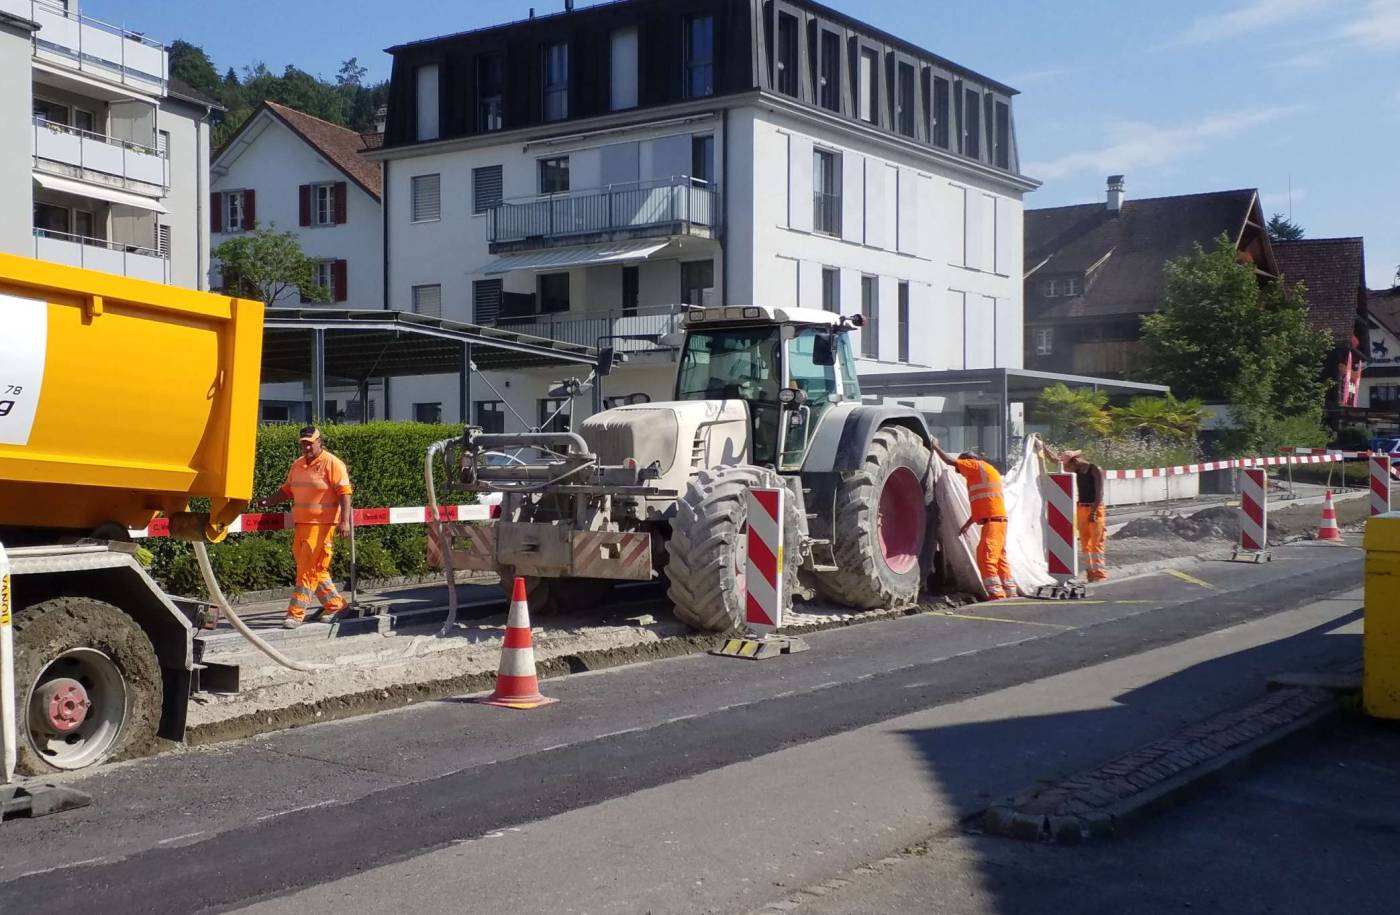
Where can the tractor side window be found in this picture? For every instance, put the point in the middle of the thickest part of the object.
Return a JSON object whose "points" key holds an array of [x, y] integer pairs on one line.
{"points": [[818, 382]]}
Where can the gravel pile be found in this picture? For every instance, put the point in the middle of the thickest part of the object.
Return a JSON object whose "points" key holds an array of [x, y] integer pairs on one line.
{"points": [[1217, 523]]}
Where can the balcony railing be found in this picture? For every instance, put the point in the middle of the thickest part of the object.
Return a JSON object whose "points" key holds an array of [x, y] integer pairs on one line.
{"points": [[99, 254], [94, 47], [96, 152], [666, 205], [826, 213], [594, 329]]}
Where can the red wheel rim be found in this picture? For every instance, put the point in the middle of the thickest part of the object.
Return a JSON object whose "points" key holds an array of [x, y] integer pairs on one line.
{"points": [[902, 523]]}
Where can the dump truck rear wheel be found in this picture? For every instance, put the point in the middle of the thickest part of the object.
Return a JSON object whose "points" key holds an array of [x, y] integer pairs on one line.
{"points": [[708, 546], [881, 526], [88, 685], [556, 596]]}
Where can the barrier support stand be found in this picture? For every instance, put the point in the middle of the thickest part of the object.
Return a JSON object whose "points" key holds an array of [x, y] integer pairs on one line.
{"points": [[1061, 539], [1254, 517], [767, 594]]}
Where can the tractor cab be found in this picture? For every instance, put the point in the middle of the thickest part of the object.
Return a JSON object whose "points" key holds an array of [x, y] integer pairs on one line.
{"points": [[788, 366]]}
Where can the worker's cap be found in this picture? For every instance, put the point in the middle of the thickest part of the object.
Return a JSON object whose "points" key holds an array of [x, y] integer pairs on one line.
{"points": [[309, 434]]}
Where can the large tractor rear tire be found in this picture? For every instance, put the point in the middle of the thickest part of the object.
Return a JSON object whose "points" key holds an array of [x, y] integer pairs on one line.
{"points": [[709, 550], [558, 596], [881, 526], [88, 685]]}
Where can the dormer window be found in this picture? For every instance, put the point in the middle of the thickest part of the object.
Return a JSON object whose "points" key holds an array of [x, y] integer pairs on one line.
{"points": [[1071, 286], [1050, 288]]}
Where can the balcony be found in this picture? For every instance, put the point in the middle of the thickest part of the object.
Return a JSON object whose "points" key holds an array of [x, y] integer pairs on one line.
{"points": [[94, 48], [135, 166], [592, 329], [644, 209], [98, 254]]}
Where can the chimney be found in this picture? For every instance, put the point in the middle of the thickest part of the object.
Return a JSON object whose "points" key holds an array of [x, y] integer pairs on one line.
{"points": [[568, 6], [1115, 194]]}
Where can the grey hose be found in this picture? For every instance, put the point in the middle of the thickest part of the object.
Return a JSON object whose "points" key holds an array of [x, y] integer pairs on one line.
{"points": [[216, 594], [435, 527]]}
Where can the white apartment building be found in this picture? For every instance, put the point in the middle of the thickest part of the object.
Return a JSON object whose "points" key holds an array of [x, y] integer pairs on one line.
{"points": [[288, 171], [578, 175], [105, 150]]}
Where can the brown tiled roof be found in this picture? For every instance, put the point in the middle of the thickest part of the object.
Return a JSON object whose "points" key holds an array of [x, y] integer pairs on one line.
{"points": [[1067, 241], [340, 145], [1334, 270], [1384, 306]]}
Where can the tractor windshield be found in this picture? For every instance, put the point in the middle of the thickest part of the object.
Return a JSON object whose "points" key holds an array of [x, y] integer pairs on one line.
{"points": [[740, 363]]}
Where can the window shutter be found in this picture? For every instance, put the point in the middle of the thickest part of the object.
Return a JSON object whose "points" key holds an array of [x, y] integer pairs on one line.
{"points": [[339, 292], [304, 205], [339, 203], [249, 212], [216, 212], [486, 188], [426, 204], [427, 300], [486, 301]]}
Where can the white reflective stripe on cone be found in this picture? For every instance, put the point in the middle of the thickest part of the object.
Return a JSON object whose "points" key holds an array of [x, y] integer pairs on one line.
{"points": [[519, 617], [517, 662]]}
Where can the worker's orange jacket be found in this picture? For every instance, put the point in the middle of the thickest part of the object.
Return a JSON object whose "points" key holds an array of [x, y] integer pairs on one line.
{"points": [[983, 488], [315, 488]]}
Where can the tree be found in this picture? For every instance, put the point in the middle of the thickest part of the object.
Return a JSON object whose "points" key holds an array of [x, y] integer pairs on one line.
{"points": [[1221, 336], [1160, 417], [1073, 414], [1281, 228], [189, 63], [351, 73], [266, 265]]}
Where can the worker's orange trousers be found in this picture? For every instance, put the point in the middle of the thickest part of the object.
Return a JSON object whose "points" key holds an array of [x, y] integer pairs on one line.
{"points": [[1091, 540], [991, 560], [312, 547]]}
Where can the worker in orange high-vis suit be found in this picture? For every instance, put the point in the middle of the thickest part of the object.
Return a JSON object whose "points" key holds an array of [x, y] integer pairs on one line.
{"points": [[1089, 513], [319, 486], [988, 510]]}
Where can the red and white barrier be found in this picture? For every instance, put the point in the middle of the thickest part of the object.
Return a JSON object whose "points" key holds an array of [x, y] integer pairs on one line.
{"points": [[1061, 552], [1380, 483], [1254, 511], [364, 517], [1147, 473], [763, 602]]}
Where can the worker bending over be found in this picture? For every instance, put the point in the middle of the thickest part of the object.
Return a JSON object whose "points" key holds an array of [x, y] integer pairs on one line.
{"points": [[1089, 481], [319, 486], [988, 510]]}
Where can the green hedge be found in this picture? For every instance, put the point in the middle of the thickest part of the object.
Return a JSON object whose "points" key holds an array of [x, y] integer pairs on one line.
{"points": [[386, 468]]}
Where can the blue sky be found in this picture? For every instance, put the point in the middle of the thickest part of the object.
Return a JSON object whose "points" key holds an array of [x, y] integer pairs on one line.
{"points": [[1181, 97]]}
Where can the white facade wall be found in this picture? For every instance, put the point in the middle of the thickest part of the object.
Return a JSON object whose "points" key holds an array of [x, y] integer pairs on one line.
{"points": [[275, 165], [16, 145], [188, 197], [956, 240]]}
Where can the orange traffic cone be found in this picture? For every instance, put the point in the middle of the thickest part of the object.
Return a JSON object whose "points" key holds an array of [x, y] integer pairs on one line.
{"points": [[517, 685], [1328, 529]]}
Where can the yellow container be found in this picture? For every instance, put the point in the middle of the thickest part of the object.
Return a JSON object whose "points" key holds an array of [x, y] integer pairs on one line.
{"points": [[120, 398], [1381, 641]]}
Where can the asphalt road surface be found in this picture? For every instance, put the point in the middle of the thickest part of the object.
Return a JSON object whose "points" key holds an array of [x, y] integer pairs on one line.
{"points": [[692, 784]]}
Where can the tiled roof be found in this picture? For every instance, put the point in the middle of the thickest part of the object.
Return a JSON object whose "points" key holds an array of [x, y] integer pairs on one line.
{"points": [[183, 90], [1067, 241], [1334, 270], [340, 145], [1384, 306]]}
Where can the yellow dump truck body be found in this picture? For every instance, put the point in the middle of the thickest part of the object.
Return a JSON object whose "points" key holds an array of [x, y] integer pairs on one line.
{"points": [[120, 398]]}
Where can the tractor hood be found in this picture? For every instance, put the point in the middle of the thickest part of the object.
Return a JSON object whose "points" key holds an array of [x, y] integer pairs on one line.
{"points": [[679, 436]]}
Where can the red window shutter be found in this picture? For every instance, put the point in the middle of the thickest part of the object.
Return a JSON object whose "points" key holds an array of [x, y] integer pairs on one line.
{"points": [[250, 217], [216, 212], [339, 202], [339, 281], [304, 204]]}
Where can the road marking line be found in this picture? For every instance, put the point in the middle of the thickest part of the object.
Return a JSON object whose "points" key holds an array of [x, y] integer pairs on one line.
{"points": [[998, 619], [1190, 579], [282, 813], [59, 867], [188, 835]]}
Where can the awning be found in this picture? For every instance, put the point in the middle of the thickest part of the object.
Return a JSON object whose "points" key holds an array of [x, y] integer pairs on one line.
{"points": [[579, 256], [109, 194]]}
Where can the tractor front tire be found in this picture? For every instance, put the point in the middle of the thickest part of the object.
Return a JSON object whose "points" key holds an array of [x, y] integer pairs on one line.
{"points": [[709, 546], [881, 526]]}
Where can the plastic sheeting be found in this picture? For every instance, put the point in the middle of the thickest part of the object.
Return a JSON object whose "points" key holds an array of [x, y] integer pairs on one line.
{"points": [[959, 552], [1025, 512]]}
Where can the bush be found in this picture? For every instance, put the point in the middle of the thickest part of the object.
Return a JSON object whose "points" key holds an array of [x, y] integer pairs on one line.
{"points": [[1128, 452], [386, 467]]}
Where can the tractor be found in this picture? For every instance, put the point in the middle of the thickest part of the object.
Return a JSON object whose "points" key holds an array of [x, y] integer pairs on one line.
{"points": [[764, 397]]}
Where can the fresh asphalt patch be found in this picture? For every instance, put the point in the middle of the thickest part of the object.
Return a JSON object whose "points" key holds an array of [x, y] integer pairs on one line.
{"points": [[309, 806]]}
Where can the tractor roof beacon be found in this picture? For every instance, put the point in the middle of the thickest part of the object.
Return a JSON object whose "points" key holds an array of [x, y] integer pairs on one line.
{"points": [[764, 396]]}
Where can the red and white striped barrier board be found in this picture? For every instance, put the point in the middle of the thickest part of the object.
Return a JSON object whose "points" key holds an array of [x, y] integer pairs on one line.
{"points": [[364, 517], [1061, 553], [1254, 510], [1147, 473], [763, 602], [1380, 484]]}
